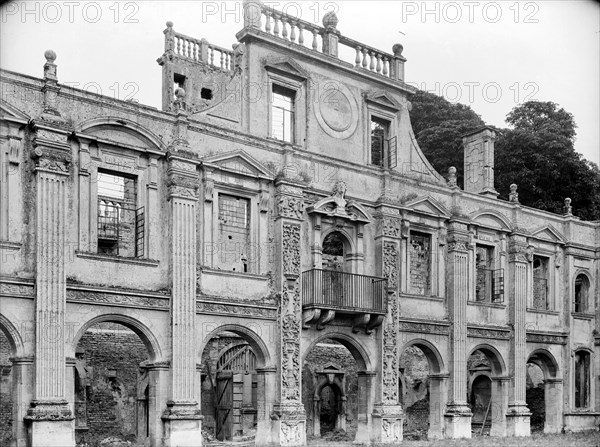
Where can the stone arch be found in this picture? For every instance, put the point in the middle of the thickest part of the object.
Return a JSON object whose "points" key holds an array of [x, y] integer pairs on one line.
{"points": [[546, 361], [589, 304], [12, 335], [263, 358], [347, 238], [497, 362], [356, 349], [127, 126], [436, 362], [141, 330]]}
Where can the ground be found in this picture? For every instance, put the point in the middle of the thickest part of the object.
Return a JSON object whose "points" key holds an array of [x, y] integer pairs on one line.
{"points": [[589, 439]]}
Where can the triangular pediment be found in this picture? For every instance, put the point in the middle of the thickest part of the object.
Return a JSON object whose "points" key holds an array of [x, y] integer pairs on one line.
{"points": [[548, 233], [383, 99], [8, 111], [238, 162], [428, 205], [286, 66]]}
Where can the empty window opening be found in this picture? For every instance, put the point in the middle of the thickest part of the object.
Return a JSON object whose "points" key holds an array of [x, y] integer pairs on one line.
{"points": [[582, 379], [380, 130], [282, 113], [206, 93], [420, 263], [582, 285], [178, 82], [234, 233], [120, 223]]}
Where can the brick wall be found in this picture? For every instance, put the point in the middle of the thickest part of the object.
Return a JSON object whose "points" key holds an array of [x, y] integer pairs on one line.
{"points": [[5, 391], [112, 401]]}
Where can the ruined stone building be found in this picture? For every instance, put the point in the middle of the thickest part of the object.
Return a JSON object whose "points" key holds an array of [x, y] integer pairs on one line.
{"points": [[270, 257]]}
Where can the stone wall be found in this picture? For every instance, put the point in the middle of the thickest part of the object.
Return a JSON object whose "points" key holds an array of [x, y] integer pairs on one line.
{"points": [[5, 391], [113, 354]]}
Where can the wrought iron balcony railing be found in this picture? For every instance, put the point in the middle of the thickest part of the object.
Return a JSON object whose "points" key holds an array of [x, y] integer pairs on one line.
{"points": [[344, 292]]}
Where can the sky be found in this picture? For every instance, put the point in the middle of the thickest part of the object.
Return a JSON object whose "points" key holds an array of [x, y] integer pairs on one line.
{"points": [[489, 55]]}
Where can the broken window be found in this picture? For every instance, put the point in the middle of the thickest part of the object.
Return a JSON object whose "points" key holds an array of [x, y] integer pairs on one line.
{"points": [[540, 283], [234, 233], [582, 286], [489, 282], [582, 379], [120, 223], [420, 263], [282, 113]]}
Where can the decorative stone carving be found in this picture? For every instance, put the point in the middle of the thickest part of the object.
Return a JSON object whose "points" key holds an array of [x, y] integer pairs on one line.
{"points": [[290, 207], [117, 299], [452, 178], [517, 249], [568, 208], [424, 328], [326, 317], [291, 249], [390, 226], [337, 206], [390, 264], [236, 309], [513, 196], [488, 333], [547, 339]]}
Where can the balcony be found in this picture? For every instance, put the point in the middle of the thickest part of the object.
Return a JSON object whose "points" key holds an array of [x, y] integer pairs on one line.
{"points": [[326, 293]]}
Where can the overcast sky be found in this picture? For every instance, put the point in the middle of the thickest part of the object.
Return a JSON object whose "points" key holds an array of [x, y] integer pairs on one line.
{"points": [[489, 55]]}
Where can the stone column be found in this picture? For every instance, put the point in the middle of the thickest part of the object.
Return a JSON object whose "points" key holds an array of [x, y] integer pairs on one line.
{"points": [[458, 414], [22, 391], [438, 396], [365, 406], [50, 416], [158, 394], [388, 415], [182, 418], [553, 390], [499, 398], [290, 426], [265, 386], [519, 275]]}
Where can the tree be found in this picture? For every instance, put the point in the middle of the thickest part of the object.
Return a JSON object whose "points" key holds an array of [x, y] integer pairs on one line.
{"points": [[538, 155], [439, 126]]}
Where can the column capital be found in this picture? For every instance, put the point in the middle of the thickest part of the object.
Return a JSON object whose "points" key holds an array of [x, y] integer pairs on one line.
{"points": [[183, 179]]}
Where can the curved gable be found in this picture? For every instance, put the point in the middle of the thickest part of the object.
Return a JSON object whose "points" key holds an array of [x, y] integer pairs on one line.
{"points": [[121, 132], [491, 219]]}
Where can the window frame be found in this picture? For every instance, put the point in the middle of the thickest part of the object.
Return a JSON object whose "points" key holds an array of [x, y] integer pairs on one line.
{"points": [[379, 114], [588, 366], [432, 263], [293, 93], [238, 194], [587, 309]]}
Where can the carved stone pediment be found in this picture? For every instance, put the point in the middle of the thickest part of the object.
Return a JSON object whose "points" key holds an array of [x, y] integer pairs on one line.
{"points": [[548, 233], [337, 206], [428, 205], [384, 100], [240, 163], [287, 67]]}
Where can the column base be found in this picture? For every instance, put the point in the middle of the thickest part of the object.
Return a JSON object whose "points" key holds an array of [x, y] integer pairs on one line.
{"points": [[50, 424], [457, 421], [387, 424], [182, 423], [289, 424], [518, 418]]}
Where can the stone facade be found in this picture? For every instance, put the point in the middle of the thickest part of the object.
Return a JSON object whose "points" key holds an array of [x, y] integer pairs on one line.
{"points": [[235, 194]]}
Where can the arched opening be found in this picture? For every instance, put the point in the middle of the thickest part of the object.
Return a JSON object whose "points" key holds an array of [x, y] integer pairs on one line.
{"points": [[110, 375], [233, 385], [334, 252], [536, 397], [335, 389], [6, 391], [581, 298], [421, 390], [486, 391], [544, 390]]}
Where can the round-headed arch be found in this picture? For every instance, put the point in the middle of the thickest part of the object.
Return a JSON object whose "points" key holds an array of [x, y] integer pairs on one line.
{"points": [[263, 358], [546, 361], [493, 355], [344, 236], [15, 341], [434, 358], [356, 349], [141, 330], [125, 125]]}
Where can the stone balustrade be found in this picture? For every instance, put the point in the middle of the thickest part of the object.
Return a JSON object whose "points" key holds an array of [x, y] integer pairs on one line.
{"points": [[197, 50], [317, 38]]}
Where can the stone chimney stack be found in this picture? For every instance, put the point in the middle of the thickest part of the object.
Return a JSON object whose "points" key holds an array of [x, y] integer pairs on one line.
{"points": [[479, 162]]}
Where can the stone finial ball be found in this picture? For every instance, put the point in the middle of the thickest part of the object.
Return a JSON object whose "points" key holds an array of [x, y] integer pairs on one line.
{"points": [[451, 170], [50, 55], [568, 201], [169, 24], [513, 187], [180, 93], [398, 49], [330, 20]]}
